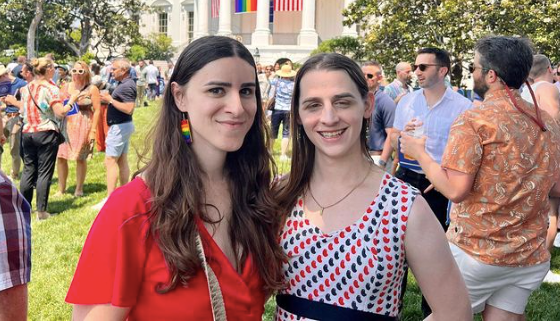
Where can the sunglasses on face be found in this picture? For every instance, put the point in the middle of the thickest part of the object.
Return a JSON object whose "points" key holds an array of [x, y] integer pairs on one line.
{"points": [[472, 68], [78, 71], [423, 67]]}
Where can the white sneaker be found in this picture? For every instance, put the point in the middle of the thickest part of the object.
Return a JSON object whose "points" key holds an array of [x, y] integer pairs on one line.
{"points": [[99, 205], [552, 277], [557, 240]]}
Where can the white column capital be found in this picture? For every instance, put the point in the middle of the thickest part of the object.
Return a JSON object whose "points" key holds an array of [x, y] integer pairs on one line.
{"points": [[224, 26], [261, 36], [308, 35]]}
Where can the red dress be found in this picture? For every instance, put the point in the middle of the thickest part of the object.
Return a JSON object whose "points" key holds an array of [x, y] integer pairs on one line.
{"points": [[121, 266]]}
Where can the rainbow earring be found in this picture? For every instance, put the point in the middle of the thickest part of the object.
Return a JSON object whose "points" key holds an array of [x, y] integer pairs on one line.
{"points": [[186, 128]]}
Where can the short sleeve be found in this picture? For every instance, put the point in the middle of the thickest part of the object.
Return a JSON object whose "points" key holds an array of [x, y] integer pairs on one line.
{"points": [[127, 94], [53, 96], [463, 152], [399, 117], [15, 236], [111, 267], [388, 113]]}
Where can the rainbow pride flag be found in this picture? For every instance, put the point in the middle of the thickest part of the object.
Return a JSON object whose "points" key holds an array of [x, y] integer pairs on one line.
{"points": [[242, 6]]}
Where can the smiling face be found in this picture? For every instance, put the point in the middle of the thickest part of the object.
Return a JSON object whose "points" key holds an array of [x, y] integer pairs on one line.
{"points": [[331, 111], [221, 105]]}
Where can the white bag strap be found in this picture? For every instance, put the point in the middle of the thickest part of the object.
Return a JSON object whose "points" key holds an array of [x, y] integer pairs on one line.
{"points": [[216, 298]]}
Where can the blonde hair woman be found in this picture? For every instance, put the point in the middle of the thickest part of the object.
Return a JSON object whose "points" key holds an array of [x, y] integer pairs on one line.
{"points": [[81, 127]]}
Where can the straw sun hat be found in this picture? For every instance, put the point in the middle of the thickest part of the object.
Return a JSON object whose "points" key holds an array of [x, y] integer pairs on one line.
{"points": [[286, 72]]}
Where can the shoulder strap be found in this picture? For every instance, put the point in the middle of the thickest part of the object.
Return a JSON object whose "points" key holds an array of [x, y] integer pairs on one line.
{"points": [[216, 298], [34, 101]]}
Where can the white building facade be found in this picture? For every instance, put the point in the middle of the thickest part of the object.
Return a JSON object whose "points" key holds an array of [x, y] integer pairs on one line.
{"points": [[268, 35]]}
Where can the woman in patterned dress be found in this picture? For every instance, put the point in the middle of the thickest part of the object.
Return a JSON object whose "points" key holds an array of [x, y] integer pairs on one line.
{"points": [[351, 230], [81, 128]]}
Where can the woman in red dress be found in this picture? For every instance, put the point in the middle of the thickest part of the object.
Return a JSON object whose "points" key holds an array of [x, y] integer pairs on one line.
{"points": [[81, 127], [193, 236]]}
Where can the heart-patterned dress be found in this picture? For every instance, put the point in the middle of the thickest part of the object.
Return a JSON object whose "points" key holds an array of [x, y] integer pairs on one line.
{"points": [[359, 267]]}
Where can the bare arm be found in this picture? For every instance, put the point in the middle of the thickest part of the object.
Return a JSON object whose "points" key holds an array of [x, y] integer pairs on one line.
{"points": [[454, 185], [126, 108], [548, 98], [96, 100], [13, 303], [387, 148], [431, 261], [106, 312]]}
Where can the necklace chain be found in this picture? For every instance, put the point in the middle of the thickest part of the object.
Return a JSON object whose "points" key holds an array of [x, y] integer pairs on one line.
{"points": [[323, 208]]}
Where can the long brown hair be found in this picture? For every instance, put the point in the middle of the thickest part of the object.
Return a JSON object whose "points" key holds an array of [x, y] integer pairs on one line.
{"points": [[174, 177], [303, 155]]}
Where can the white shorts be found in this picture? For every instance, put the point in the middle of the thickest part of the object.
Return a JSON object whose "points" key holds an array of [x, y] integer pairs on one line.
{"points": [[503, 287]]}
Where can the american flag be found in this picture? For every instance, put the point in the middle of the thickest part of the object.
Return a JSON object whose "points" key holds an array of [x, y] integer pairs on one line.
{"points": [[288, 5], [216, 8]]}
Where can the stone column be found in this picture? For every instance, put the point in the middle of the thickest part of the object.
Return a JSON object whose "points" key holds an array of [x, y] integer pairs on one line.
{"points": [[201, 9], [352, 30], [308, 35], [224, 26], [261, 36]]}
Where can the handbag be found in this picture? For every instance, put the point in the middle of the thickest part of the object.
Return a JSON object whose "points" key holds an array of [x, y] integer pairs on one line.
{"points": [[62, 136]]}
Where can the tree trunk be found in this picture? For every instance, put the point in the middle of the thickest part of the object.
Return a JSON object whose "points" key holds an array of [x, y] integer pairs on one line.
{"points": [[86, 36], [32, 32]]}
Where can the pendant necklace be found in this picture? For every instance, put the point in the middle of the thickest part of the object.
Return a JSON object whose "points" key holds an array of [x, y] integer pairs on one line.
{"points": [[323, 208]]}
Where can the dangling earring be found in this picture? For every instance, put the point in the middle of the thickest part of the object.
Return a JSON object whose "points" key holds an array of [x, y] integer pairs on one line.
{"points": [[186, 128]]}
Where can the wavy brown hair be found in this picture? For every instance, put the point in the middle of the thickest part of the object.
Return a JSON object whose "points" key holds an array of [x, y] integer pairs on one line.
{"points": [[174, 177], [303, 155]]}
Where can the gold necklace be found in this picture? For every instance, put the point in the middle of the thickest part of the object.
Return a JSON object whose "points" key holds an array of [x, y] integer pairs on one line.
{"points": [[323, 208]]}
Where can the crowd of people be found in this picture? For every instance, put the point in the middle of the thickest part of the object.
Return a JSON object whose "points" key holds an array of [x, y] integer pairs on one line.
{"points": [[383, 177]]}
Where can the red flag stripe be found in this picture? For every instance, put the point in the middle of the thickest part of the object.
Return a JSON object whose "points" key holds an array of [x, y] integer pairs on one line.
{"points": [[215, 8], [288, 5]]}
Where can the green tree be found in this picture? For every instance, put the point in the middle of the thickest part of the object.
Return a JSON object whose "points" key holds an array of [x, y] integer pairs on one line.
{"points": [[348, 46], [158, 47]]}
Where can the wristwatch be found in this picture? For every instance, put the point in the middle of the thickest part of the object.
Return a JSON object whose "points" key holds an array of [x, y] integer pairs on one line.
{"points": [[382, 163]]}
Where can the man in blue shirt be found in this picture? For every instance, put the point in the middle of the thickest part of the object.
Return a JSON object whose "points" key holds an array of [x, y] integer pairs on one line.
{"points": [[433, 108], [382, 118], [11, 121]]}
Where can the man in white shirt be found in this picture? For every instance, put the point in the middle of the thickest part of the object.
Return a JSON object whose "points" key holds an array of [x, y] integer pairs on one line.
{"points": [[151, 74]]}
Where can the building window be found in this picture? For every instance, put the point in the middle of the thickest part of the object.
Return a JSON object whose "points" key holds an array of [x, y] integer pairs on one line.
{"points": [[162, 19], [190, 24]]}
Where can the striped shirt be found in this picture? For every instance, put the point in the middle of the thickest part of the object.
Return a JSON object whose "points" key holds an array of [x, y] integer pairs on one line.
{"points": [[396, 88], [46, 96], [436, 120], [15, 236]]}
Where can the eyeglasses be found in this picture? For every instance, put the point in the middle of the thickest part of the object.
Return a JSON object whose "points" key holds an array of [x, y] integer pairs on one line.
{"points": [[423, 67], [369, 76], [78, 71]]}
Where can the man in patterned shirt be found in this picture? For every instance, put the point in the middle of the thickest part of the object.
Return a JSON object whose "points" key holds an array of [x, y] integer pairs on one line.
{"points": [[501, 163], [15, 251], [401, 85]]}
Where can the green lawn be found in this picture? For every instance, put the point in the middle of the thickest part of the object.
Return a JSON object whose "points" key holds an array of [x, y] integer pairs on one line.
{"points": [[57, 243]]}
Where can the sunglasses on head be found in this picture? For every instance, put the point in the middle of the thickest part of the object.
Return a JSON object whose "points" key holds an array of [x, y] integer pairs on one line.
{"points": [[423, 67], [78, 71]]}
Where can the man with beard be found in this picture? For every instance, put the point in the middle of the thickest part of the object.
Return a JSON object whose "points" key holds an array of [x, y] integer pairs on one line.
{"points": [[401, 85], [501, 163], [435, 106]]}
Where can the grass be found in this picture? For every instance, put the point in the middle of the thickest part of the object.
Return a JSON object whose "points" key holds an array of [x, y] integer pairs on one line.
{"points": [[57, 242]]}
